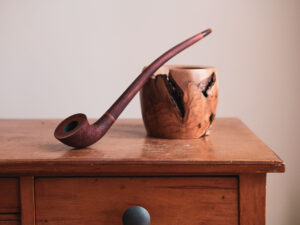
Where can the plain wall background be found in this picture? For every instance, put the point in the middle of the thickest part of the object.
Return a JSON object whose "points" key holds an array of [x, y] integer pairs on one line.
{"points": [[61, 57]]}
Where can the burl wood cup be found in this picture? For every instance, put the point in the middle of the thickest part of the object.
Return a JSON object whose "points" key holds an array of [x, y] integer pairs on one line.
{"points": [[180, 102]]}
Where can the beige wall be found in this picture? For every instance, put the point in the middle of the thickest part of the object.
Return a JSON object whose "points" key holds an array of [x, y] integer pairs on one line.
{"points": [[62, 57]]}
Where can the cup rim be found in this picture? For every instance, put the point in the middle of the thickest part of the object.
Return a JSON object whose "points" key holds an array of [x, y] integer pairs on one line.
{"points": [[189, 67]]}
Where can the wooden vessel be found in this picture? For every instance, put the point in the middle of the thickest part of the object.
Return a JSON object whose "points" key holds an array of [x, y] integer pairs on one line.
{"points": [[180, 101]]}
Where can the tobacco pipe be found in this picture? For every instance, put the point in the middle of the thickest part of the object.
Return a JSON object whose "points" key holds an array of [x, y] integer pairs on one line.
{"points": [[76, 131]]}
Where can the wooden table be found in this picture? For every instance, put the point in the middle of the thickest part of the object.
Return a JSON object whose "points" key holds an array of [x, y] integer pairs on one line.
{"points": [[219, 179]]}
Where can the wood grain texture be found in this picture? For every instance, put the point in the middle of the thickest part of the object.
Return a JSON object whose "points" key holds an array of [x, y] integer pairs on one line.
{"points": [[9, 195], [99, 201], [180, 102], [10, 222], [29, 148], [252, 191], [9, 216], [9, 219], [27, 200]]}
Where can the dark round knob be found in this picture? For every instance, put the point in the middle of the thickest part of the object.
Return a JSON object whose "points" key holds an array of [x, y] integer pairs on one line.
{"points": [[136, 215]]}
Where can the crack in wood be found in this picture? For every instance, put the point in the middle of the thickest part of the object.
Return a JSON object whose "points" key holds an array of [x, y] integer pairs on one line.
{"points": [[211, 118], [175, 92], [207, 84]]}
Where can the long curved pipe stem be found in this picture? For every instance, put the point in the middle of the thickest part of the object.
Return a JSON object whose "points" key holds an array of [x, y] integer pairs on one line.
{"points": [[75, 130]]}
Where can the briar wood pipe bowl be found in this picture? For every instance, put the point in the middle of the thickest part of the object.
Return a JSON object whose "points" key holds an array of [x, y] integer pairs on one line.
{"points": [[76, 131], [180, 102]]}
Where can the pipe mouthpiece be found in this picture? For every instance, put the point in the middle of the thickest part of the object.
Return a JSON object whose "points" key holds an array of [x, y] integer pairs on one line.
{"points": [[206, 32]]}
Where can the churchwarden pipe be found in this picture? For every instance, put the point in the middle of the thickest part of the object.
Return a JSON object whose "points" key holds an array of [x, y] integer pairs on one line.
{"points": [[76, 131]]}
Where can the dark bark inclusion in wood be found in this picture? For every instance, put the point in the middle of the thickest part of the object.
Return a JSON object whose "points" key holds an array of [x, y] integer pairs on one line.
{"points": [[207, 84], [211, 118], [175, 92]]}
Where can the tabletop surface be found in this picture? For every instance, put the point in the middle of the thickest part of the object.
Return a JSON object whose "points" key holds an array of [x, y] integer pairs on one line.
{"points": [[29, 147]]}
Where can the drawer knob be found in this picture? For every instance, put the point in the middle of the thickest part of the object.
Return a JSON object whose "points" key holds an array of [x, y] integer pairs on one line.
{"points": [[136, 215]]}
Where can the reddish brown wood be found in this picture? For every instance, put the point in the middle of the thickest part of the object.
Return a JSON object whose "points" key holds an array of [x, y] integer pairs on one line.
{"points": [[75, 131], [9, 195], [10, 222], [9, 219], [252, 191], [180, 102], [100, 201], [29, 148], [27, 200]]}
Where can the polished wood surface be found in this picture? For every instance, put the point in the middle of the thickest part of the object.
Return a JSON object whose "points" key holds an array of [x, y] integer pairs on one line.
{"points": [[27, 200], [252, 189], [28, 147], [9, 219], [218, 179], [169, 200], [180, 102], [9, 222], [9, 195]]}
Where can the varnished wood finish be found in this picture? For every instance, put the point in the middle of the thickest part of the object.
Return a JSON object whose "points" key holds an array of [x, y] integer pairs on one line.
{"points": [[180, 102], [9, 195], [75, 131], [9, 219], [28, 148], [252, 199], [222, 176], [9, 222], [27, 200], [100, 201]]}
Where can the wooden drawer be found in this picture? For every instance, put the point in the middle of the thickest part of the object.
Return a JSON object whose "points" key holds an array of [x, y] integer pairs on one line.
{"points": [[10, 222], [9, 219], [9, 195], [169, 200]]}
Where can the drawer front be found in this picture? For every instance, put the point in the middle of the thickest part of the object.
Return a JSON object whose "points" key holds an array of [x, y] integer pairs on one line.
{"points": [[10, 222], [169, 200], [9, 195], [9, 219]]}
